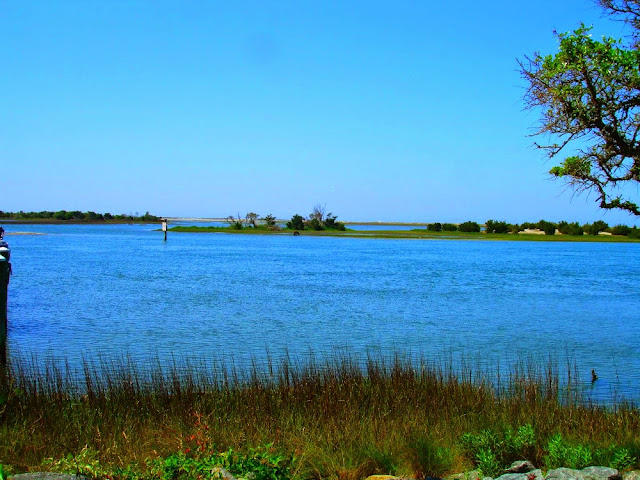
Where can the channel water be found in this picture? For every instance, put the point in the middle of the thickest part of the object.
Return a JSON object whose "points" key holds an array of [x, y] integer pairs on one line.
{"points": [[88, 291]]}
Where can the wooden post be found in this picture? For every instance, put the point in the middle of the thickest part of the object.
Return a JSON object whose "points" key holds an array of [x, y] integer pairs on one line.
{"points": [[5, 272], [164, 228]]}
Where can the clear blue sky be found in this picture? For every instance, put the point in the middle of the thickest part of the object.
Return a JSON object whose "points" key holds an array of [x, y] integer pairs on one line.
{"points": [[403, 110]]}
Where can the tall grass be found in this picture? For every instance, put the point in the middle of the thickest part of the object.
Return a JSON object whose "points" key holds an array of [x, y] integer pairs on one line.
{"points": [[345, 417]]}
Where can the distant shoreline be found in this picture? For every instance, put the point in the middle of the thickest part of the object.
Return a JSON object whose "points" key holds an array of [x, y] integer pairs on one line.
{"points": [[417, 234]]}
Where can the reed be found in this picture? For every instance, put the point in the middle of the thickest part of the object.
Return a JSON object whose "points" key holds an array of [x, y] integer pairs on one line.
{"points": [[344, 417]]}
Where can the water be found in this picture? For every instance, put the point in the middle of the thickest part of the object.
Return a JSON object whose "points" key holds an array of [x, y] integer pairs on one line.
{"points": [[89, 290]]}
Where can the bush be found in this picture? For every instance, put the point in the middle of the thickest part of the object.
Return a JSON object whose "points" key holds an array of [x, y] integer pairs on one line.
{"points": [[621, 230], [494, 226], [469, 227], [315, 224], [547, 227], [428, 459], [434, 227], [492, 450], [296, 222], [570, 228], [596, 227], [449, 227], [331, 223]]}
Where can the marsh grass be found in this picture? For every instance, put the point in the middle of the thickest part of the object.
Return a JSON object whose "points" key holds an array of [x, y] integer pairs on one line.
{"points": [[345, 417]]}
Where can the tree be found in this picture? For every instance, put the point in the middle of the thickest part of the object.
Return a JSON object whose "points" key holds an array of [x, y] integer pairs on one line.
{"points": [[296, 223], [317, 213], [269, 220], [331, 222], [469, 227], [236, 223], [589, 93], [495, 226], [251, 218]]}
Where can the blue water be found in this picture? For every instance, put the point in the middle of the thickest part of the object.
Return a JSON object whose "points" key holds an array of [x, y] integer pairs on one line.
{"points": [[88, 290]]}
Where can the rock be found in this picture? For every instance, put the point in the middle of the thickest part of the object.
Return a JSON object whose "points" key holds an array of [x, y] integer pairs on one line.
{"points": [[601, 473], [46, 476], [472, 475], [221, 474], [522, 466], [532, 475], [633, 475], [564, 474]]}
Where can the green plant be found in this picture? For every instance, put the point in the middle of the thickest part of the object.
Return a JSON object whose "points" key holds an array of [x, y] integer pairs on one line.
{"points": [[262, 463], [85, 462], [488, 463], [469, 227], [622, 459], [3, 474], [494, 226], [566, 228], [428, 459], [434, 227], [563, 454], [493, 450], [449, 227], [621, 230], [296, 222]]}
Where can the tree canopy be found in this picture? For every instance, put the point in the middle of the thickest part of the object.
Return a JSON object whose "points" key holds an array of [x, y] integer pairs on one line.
{"points": [[589, 94]]}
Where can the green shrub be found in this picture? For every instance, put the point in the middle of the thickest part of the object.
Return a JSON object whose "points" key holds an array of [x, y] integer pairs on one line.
{"points": [[566, 228], [596, 227], [621, 230], [434, 227], [428, 459], [449, 227], [492, 451], [547, 227], [296, 222], [562, 454], [494, 226], [315, 224], [331, 223], [469, 227]]}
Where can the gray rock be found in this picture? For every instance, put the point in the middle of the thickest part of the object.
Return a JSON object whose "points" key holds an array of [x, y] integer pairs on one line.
{"points": [[633, 475], [46, 476], [564, 474], [472, 475], [221, 474], [533, 475], [601, 473], [521, 466]]}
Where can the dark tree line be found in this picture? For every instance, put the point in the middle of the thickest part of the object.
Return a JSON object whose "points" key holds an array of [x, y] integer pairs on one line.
{"points": [[549, 228], [77, 216]]}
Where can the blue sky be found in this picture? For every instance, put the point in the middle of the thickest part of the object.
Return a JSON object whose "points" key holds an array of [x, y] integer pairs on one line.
{"points": [[404, 110]]}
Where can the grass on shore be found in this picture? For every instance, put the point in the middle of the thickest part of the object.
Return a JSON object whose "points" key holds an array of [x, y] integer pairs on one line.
{"points": [[341, 419], [411, 234]]}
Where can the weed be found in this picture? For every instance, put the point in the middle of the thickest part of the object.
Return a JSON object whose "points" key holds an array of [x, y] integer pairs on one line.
{"points": [[309, 420]]}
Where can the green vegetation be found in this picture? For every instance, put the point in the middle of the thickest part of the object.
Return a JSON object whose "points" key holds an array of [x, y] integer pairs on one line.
{"points": [[469, 227], [77, 216], [588, 94], [344, 418], [317, 221]]}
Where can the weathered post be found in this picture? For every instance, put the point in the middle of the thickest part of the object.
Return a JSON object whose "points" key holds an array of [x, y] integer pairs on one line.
{"points": [[164, 228], [5, 273]]}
